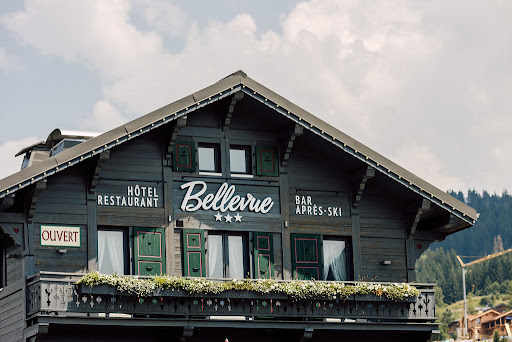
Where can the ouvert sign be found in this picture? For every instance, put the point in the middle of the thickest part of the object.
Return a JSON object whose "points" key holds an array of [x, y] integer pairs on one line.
{"points": [[60, 236], [223, 200]]}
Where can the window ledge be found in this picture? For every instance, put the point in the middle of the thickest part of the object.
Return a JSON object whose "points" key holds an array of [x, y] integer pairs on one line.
{"points": [[241, 175], [214, 174]]}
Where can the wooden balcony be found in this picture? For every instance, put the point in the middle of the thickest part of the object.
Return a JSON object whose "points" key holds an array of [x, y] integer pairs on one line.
{"points": [[56, 294]]}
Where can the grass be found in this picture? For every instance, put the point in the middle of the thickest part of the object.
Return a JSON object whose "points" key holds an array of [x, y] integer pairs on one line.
{"points": [[457, 307]]}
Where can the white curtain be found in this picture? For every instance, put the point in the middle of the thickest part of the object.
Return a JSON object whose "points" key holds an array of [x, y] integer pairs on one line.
{"points": [[236, 257], [215, 259], [111, 252], [335, 263]]}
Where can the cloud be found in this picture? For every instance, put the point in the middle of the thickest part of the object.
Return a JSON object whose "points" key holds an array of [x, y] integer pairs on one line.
{"points": [[424, 82], [8, 149], [103, 118], [425, 164], [7, 60]]}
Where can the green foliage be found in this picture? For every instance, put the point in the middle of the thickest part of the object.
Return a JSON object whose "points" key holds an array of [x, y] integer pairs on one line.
{"points": [[295, 288], [445, 320], [439, 264], [496, 337], [495, 219], [443, 269]]}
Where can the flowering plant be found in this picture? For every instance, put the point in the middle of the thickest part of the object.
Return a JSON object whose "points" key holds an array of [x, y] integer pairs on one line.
{"points": [[297, 289]]}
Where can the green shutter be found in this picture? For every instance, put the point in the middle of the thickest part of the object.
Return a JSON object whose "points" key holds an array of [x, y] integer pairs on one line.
{"points": [[149, 254], [307, 256], [184, 156], [267, 163], [193, 253], [263, 256]]}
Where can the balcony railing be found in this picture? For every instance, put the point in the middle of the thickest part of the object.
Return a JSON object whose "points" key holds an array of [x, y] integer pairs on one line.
{"points": [[57, 294]]}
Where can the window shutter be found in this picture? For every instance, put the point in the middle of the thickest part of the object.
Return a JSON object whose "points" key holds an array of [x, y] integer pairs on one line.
{"points": [[266, 161], [307, 256], [149, 254], [193, 253], [184, 156], [263, 256]]}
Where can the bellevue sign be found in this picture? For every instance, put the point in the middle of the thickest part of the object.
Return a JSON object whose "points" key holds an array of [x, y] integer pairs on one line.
{"points": [[223, 200]]}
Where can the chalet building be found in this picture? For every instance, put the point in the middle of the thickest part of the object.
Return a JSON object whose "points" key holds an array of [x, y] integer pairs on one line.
{"points": [[476, 324], [233, 181]]}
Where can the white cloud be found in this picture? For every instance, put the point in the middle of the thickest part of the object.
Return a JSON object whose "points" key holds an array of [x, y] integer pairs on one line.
{"points": [[421, 82], [8, 149], [104, 117]]}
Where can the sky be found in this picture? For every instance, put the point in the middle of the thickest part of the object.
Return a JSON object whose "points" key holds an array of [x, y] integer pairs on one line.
{"points": [[427, 84]]}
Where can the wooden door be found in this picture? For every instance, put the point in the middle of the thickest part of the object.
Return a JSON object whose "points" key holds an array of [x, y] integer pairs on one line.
{"points": [[307, 256]]}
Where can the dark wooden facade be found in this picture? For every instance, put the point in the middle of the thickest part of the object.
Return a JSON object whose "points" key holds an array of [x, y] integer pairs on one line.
{"points": [[135, 182]]}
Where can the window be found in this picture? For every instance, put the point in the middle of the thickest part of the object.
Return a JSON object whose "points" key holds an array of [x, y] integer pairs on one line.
{"points": [[321, 257], [209, 158], [335, 260], [113, 254], [117, 245], [227, 256], [240, 160]]}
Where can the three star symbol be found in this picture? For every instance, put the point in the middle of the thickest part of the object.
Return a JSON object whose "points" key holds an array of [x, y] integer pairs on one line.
{"points": [[228, 218]]}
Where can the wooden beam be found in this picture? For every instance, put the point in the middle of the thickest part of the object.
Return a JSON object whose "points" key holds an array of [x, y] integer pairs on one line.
{"points": [[180, 123], [359, 180], [288, 140], [437, 223], [414, 218], [6, 202], [187, 333], [307, 334], [227, 119], [40, 186], [104, 156]]}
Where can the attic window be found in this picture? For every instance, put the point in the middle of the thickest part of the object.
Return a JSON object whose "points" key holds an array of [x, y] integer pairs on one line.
{"points": [[209, 157], [64, 144], [240, 159]]}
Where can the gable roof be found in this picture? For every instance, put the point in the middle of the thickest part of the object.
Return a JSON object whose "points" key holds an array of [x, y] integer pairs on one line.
{"points": [[235, 82]]}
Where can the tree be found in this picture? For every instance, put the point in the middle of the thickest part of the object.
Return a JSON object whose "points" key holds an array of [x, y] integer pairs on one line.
{"points": [[496, 337]]}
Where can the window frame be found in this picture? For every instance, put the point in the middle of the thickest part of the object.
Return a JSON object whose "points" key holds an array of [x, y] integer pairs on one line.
{"points": [[217, 158], [127, 246], [318, 262], [247, 148], [225, 253], [348, 255]]}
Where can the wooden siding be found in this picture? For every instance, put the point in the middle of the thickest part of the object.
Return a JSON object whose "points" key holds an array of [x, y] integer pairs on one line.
{"points": [[12, 300], [383, 229], [178, 258], [138, 160], [311, 168], [63, 202]]}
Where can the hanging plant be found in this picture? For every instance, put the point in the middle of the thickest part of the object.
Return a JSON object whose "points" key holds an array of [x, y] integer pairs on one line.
{"points": [[296, 289]]}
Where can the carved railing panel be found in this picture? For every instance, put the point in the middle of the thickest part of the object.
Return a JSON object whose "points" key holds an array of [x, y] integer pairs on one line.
{"points": [[51, 294]]}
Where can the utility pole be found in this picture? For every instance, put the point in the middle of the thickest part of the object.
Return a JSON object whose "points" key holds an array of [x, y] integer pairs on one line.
{"points": [[464, 270]]}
